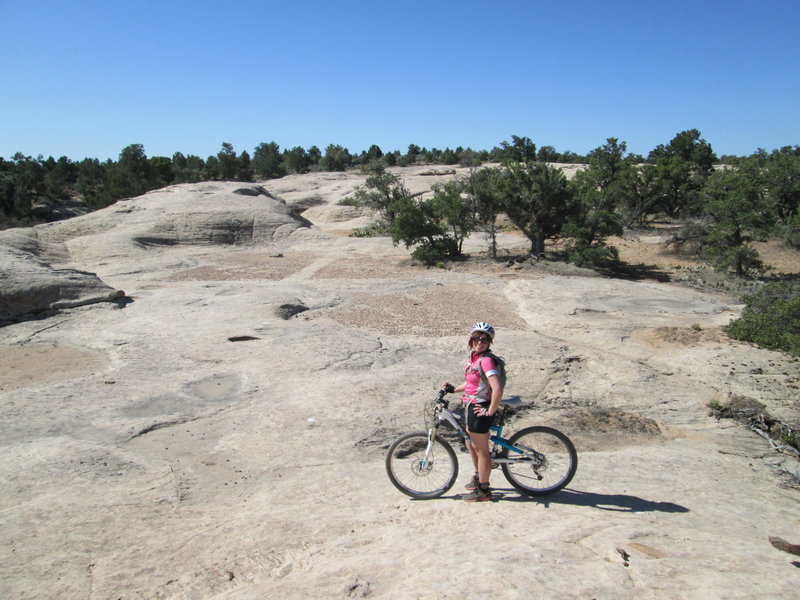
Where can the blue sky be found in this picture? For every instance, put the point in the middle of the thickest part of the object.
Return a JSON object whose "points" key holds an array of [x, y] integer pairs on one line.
{"points": [[87, 78]]}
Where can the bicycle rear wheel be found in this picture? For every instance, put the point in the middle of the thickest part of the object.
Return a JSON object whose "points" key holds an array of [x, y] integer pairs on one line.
{"points": [[413, 474], [545, 463]]}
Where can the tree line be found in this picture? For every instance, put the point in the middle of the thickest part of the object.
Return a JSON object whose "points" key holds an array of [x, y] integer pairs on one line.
{"points": [[26, 181]]}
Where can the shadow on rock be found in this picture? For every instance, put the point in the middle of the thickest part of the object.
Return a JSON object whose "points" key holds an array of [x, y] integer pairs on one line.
{"points": [[612, 502]]}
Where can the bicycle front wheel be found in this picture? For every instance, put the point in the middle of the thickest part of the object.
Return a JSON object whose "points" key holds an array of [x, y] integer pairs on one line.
{"points": [[543, 462], [418, 475]]}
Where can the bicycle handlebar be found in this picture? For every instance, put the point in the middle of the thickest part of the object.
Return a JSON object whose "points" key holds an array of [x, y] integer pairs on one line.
{"points": [[440, 397]]}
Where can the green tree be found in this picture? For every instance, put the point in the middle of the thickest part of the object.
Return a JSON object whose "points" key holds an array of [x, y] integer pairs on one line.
{"points": [[161, 172], [614, 182], [7, 191], [28, 184], [392, 159], [469, 158], [691, 148], [537, 200], [382, 191], [60, 176], [179, 168], [337, 158], [450, 207], [782, 176], [244, 168], [416, 223], [603, 184], [374, 153], [548, 154], [683, 166], [487, 201], [641, 195], [195, 167], [449, 157], [422, 223], [92, 179], [187, 169], [519, 150], [130, 176], [314, 158], [296, 160], [211, 170], [736, 212], [227, 162], [267, 161], [410, 157], [587, 230]]}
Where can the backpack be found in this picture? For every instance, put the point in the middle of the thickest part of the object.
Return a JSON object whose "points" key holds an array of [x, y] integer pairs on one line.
{"points": [[500, 366]]}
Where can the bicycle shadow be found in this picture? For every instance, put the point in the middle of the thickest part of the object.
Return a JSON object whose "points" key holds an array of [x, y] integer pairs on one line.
{"points": [[610, 502]]}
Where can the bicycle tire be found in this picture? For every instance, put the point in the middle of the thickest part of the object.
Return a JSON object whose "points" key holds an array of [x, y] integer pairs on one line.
{"points": [[406, 472], [554, 473]]}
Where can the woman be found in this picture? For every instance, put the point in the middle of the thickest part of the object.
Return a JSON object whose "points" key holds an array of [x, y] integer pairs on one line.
{"points": [[482, 396]]}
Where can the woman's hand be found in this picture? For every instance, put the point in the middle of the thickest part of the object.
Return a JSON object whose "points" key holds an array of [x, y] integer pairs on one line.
{"points": [[480, 411]]}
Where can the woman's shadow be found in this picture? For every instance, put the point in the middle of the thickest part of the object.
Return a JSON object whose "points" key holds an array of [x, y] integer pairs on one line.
{"points": [[612, 502]]}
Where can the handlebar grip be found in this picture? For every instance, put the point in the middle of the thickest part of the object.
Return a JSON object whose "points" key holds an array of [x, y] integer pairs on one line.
{"points": [[449, 388]]}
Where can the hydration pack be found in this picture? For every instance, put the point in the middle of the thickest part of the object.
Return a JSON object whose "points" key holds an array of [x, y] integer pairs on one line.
{"points": [[500, 365]]}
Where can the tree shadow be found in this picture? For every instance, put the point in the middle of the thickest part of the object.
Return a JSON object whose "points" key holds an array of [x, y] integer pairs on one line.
{"points": [[638, 272], [610, 502]]}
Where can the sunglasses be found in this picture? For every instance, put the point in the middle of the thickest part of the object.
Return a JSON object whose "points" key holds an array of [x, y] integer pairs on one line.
{"points": [[484, 339]]}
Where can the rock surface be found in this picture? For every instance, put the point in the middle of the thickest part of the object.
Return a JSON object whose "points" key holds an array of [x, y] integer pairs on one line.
{"points": [[222, 433]]}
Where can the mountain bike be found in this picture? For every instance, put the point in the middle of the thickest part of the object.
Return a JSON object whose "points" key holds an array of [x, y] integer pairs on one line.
{"points": [[536, 460]]}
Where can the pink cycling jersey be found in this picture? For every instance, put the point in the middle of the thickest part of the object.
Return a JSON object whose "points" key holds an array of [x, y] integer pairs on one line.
{"points": [[476, 388]]}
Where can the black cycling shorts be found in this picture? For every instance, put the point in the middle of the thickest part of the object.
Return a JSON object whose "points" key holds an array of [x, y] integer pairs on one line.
{"points": [[476, 424]]}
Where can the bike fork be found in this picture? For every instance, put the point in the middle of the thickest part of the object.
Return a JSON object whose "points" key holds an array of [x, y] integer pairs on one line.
{"points": [[429, 447]]}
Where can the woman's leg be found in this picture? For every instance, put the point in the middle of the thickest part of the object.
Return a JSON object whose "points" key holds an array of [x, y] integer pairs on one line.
{"points": [[472, 453], [480, 451]]}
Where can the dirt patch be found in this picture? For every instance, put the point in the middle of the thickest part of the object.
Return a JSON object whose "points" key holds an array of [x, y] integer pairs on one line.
{"points": [[434, 311], [247, 266], [670, 337], [28, 365], [779, 256], [594, 429], [366, 268]]}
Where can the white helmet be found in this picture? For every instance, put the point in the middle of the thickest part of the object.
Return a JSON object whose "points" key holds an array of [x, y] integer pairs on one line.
{"points": [[484, 327]]}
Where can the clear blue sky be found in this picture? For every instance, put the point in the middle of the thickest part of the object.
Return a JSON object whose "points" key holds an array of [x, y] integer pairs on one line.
{"points": [[87, 78]]}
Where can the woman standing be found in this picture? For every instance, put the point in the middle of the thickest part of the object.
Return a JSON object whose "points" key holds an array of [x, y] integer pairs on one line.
{"points": [[482, 395]]}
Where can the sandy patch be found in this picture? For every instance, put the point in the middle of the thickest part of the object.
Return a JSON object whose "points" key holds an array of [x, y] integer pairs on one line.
{"points": [[672, 337], [433, 311], [779, 256], [367, 268], [26, 365], [248, 266]]}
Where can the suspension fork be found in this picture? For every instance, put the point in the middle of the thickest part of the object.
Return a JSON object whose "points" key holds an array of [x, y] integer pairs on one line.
{"points": [[429, 447]]}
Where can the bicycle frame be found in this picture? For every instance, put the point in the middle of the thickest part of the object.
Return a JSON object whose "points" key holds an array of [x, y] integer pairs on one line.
{"points": [[445, 414]]}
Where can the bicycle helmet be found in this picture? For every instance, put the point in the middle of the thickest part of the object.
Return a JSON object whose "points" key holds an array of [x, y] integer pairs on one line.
{"points": [[484, 327]]}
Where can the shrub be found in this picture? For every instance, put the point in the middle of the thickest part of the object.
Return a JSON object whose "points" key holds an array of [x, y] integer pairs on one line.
{"points": [[588, 256], [369, 231], [771, 318], [436, 251]]}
